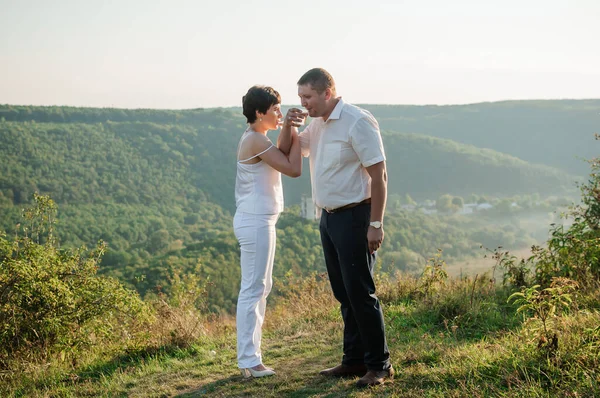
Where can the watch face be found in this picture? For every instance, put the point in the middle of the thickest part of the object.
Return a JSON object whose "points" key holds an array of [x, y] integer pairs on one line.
{"points": [[376, 224]]}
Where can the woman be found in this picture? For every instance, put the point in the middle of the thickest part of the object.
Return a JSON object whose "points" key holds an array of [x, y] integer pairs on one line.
{"points": [[259, 200]]}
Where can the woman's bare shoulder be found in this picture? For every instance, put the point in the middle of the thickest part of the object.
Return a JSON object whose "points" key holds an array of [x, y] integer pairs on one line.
{"points": [[258, 141], [254, 144]]}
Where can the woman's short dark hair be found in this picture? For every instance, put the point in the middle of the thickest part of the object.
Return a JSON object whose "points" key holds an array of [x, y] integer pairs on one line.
{"points": [[259, 98], [319, 79]]}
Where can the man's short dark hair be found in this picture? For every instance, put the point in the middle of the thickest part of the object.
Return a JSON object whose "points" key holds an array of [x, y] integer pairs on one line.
{"points": [[319, 79], [259, 98]]}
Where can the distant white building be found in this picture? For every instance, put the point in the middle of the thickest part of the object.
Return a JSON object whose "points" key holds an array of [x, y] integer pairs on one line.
{"points": [[470, 208], [426, 210], [408, 207], [308, 210]]}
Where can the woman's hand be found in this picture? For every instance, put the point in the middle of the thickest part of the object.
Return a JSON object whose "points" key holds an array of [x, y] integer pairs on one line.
{"points": [[295, 117]]}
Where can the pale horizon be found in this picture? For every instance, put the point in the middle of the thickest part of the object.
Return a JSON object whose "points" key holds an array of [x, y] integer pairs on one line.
{"points": [[293, 105], [198, 54]]}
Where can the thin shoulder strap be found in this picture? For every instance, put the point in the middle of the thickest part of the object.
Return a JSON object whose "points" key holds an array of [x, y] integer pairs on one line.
{"points": [[258, 154], [240, 147]]}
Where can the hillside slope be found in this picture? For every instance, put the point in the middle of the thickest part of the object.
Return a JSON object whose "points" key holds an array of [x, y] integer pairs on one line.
{"points": [[552, 132], [157, 163]]}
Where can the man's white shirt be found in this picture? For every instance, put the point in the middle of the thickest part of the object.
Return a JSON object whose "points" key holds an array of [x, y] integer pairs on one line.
{"points": [[339, 151]]}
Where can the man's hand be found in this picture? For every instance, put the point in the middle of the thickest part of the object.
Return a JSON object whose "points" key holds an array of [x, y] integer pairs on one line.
{"points": [[295, 117], [375, 238]]}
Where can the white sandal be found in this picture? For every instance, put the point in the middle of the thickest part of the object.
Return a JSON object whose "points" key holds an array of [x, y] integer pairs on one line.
{"points": [[249, 372]]}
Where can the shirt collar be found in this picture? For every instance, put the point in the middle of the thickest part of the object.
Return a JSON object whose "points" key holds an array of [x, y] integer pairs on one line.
{"points": [[337, 111]]}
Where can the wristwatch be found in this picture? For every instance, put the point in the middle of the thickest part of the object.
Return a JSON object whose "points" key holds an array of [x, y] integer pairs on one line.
{"points": [[376, 224]]}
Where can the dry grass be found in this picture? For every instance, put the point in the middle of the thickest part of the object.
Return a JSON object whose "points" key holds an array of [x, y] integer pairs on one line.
{"points": [[176, 325], [301, 302]]}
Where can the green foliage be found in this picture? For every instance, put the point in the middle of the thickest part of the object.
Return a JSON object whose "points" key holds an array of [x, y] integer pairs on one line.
{"points": [[145, 183], [548, 132], [427, 167], [515, 271], [443, 204], [569, 262], [147, 158], [51, 300], [155, 187], [574, 251], [434, 275], [553, 132], [458, 202], [545, 305], [449, 204]]}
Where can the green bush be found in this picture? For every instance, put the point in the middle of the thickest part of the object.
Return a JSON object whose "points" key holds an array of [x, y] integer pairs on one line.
{"points": [[574, 252], [567, 270], [52, 300]]}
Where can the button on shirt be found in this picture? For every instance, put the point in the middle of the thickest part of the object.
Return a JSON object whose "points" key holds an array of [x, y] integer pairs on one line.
{"points": [[339, 150]]}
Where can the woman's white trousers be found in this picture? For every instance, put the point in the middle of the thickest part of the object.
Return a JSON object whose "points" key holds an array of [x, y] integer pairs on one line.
{"points": [[256, 236]]}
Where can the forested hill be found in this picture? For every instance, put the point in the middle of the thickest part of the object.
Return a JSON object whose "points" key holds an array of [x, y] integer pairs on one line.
{"points": [[552, 132], [160, 163], [424, 166], [159, 190], [68, 114]]}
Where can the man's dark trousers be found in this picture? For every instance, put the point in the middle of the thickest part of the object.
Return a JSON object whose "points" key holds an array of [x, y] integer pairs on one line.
{"points": [[350, 268]]}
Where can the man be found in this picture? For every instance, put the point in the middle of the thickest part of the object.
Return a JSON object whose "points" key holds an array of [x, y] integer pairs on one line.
{"points": [[349, 182]]}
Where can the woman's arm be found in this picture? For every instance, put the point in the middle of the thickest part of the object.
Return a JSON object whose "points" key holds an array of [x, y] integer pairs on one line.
{"points": [[290, 165], [293, 119]]}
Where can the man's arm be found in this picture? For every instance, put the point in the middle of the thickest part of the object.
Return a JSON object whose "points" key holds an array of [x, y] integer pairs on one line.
{"points": [[378, 175]]}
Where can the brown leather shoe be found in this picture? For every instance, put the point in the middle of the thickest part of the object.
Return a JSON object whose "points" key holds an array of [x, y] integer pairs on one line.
{"points": [[345, 371], [375, 377]]}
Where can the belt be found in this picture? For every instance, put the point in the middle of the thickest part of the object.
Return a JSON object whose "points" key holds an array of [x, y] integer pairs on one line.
{"points": [[346, 207]]}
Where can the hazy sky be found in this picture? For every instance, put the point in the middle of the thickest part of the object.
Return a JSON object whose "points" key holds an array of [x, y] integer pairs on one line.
{"points": [[197, 53]]}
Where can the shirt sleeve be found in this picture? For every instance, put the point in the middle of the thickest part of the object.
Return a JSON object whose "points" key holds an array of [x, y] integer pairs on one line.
{"points": [[366, 141], [305, 140]]}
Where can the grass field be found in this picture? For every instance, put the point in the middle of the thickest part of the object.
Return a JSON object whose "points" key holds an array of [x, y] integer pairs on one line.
{"points": [[462, 339]]}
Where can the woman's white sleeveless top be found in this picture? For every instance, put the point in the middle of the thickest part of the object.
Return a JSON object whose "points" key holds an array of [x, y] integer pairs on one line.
{"points": [[258, 187]]}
